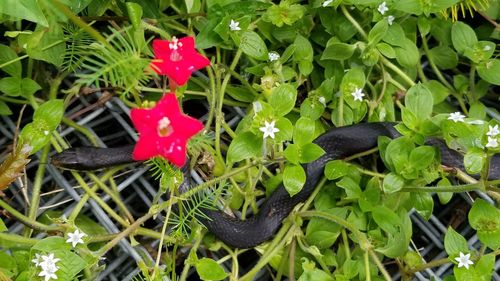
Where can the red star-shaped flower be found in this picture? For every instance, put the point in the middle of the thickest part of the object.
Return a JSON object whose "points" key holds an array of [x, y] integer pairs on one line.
{"points": [[163, 131], [177, 59]]}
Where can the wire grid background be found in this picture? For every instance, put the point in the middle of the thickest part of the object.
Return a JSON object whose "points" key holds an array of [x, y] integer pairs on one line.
{"points": [[111, 126]]}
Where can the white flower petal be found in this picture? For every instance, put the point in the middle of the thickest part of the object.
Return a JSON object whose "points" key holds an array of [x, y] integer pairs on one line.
{"points": [[456, 117]]}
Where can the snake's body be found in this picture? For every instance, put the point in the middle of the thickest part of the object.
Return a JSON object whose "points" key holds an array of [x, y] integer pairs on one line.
{"points": [[337, 143]]}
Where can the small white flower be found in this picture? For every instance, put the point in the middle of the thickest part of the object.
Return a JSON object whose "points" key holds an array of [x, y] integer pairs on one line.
{"points": [[358, 94], [322, 100], [37, 260], [456, 117], [46, 133], [269, 129], [75, 237], [493, 131], [273, 56], [390, 19], [492, 142], [234, 25], [464, 260], [49, 272], [326, 3], [382, 8], [487, 48], [49, 260]]}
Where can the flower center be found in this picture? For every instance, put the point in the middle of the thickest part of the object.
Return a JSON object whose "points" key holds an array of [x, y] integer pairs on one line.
{"points": [[175, 56], [164, 128]]}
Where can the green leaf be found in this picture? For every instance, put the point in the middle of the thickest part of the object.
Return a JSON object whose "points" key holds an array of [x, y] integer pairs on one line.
{"points": [[244, 146], [208, 269], [353, 79], [286, 130], [407, 53], [423, 203], [8, 55], [439, 92], [351, 188], [4, 109], [338, 51], [283, 98], [485, 218], [378, 32], [70, 265], [35, 136], [252, 45], [419, 101], [311, 109], [322, 232], [52, 243], [304, 131], [397, 229], [303, 54], [14, 86], [409, 6], [444, 57], [386, 50], [51, 112], [294, 178], [393, 183], [310, 152], [422, 156], [47, 44], [284, 13], [292, 153], [462, 36], [454, 243], [134, 11], [490, 71], [444, 197], [474, 161], [7, 262], [336, 169], [23, 10], [311, 273], [3, 227]]}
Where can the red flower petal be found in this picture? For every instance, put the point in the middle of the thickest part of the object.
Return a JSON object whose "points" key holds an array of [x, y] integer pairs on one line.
{"points": [[177, 59], [163, 131]]}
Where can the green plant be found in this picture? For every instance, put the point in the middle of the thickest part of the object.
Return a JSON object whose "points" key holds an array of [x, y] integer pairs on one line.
{"points": [[298, 68]]}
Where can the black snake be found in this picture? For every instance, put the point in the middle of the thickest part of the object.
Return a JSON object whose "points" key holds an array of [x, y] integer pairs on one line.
{"points": [[338, 143]]}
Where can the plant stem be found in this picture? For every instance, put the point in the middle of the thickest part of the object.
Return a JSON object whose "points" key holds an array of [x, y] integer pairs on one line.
{"points": [[367, 266], [380, 265], [26, 220], [123, 234], [276, 245], [18, 240], [37, 186]]}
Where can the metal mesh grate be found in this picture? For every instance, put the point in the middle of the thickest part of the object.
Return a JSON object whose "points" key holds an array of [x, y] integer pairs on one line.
{"points": [[111, 127]]}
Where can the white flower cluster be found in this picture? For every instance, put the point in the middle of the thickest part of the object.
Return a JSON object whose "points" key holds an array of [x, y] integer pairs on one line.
{"points": [[492, 134], [48, 265]]}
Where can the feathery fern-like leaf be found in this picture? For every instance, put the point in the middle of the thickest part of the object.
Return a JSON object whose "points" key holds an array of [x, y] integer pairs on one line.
{"points": [[77, 47], [121, 64]]}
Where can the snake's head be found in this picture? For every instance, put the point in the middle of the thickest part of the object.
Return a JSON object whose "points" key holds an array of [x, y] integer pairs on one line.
{"points": [[67, 159]]}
